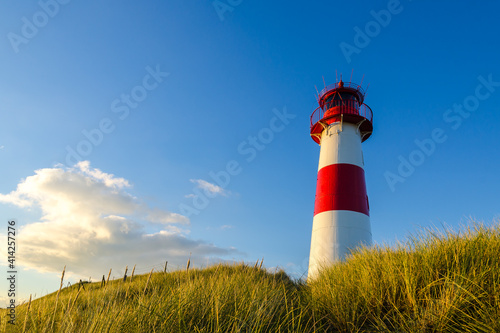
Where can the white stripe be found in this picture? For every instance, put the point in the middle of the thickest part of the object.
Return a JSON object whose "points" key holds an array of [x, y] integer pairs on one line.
{"points": [[334, 234], [340, 143]]}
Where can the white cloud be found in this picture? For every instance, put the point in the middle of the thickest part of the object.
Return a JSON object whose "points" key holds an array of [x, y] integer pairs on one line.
{"points": [[163, 217], [91, 224], [226, 226], [2, 147], [210, 189], [108, 179]]}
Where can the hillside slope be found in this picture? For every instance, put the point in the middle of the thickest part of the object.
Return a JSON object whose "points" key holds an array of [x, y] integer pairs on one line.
{"points": [[437, 282]]}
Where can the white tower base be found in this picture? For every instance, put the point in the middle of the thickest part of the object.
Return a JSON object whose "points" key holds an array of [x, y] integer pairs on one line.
{"points": [[341, 221]]}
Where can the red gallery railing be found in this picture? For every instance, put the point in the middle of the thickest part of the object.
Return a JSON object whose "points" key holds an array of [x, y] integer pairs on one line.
{"points": [[349, 107]]}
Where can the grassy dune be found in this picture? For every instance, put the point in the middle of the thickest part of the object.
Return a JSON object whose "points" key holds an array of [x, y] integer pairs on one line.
{"points": [[437, 282]]}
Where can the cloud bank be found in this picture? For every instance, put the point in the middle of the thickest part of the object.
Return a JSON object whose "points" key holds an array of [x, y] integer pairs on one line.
{"points": [[90, 223]]}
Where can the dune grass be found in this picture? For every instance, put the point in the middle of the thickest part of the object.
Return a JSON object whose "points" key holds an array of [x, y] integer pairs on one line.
{"points": [[222, 298], [437, 282]]}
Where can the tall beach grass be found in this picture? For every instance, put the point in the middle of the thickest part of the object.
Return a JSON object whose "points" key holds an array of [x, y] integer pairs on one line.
{"points": [[436, 282]]}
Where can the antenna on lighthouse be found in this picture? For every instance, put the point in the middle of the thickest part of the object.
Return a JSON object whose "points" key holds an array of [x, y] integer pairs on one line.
{"points": [[362, 80], [341, 220], [366, 90]]}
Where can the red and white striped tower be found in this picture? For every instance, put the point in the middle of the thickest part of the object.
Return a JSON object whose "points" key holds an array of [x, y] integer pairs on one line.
{"points": [[341, 211]]}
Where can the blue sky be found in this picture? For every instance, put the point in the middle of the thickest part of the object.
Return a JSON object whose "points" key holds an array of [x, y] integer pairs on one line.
{"points": [[172, 92]]}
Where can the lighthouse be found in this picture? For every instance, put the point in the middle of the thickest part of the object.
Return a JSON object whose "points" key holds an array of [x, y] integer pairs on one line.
{"points": [[341, 220]]}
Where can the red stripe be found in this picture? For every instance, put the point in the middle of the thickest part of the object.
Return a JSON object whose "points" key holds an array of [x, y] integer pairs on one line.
{"points": [[341, 187]]}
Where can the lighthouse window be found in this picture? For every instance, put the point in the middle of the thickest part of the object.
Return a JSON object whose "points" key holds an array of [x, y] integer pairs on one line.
{"points": [[338, 99]]}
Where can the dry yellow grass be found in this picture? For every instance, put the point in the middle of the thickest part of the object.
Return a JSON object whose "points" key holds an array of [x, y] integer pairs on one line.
{"points": [[437, 282]]}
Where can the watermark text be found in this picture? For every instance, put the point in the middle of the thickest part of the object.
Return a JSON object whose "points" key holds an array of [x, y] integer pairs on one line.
{"points": [[11, 272]]}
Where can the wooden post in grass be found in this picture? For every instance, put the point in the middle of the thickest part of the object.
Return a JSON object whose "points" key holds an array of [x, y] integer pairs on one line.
{"points": [[81, 285], [125, 275], [165, 269], [103, 282]]}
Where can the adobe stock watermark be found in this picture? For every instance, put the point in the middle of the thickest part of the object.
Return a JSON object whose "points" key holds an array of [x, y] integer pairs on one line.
{"points": [[224, 6], [31, 26], [453, 116], [248, 149], [372, 29], [120, 106]]}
